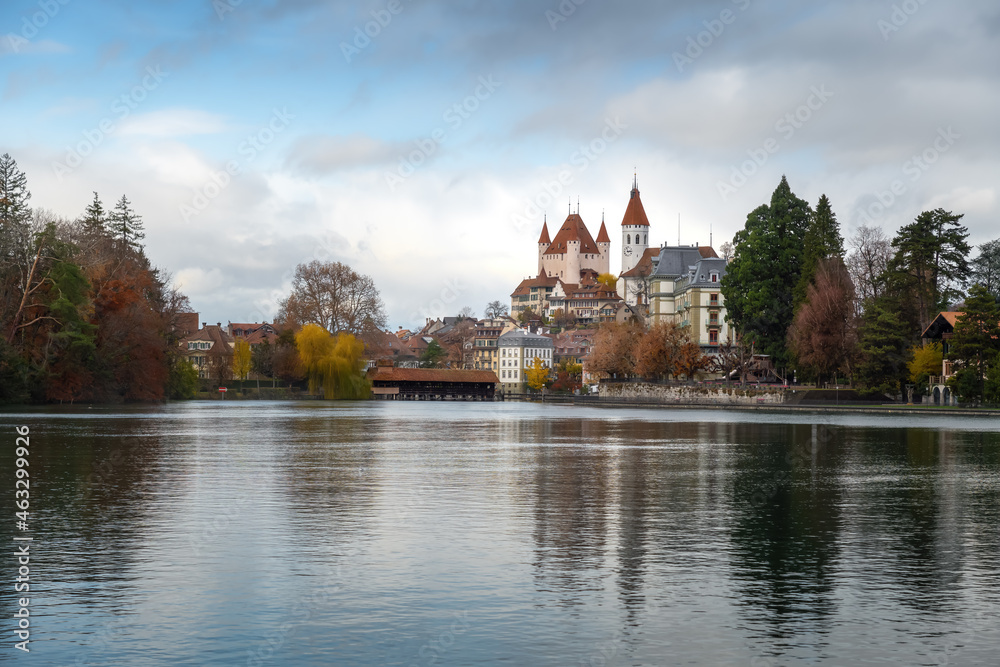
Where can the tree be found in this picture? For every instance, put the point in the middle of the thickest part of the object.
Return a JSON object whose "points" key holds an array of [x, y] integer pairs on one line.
{"points": [[614, 350], [929, 265], [16, 244], [335, 297], [867, 263], [883, 349], [526, 316], [992, 386], [822, 240], [926, 362], [262, 359], [433, 355], [760, 279], [242, 359], [495, 310], [823, 336], [126, 226], [985, 268], [536, 374], [658, 351], [94, 219], [467, 313], [691, 360], [609, 281], [561, 318], [332, 362], [183, 380], [726, 251], [735, 358], [975, 341]]}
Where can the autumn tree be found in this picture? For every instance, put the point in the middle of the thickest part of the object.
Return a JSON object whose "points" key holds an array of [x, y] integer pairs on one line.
{"points": [[823, 336], [536, 374], [926, 361], [242, 359], [658, 351], [608, 280], [614, 350], [691, 360], [332, 362], [335, 297]]}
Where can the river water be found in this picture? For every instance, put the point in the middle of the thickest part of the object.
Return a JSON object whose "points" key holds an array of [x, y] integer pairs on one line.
{"points": [[418, 534]]}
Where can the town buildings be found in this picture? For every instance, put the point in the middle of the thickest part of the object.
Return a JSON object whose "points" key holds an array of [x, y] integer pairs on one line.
{"points": [[685, 287], [518, 350]]}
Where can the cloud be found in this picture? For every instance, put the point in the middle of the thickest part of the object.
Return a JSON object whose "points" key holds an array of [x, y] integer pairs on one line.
{"points": [[323, 154], [173, 123]]}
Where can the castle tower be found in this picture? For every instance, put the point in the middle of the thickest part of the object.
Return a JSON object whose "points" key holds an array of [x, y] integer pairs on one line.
{"points": [[604, 245], [635, 230], [543, 243]]}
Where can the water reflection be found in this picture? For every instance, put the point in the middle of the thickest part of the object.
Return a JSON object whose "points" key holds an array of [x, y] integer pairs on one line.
{"points": [[190, 534]]}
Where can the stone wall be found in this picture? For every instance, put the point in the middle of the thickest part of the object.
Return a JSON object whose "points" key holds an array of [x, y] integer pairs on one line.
{"points": [[708, 394]]}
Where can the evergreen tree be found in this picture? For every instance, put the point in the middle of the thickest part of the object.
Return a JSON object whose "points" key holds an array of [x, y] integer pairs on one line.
{"points": [[929, 266], [126, 226], [15, 231], [976, 339], [822, 240], [95, 218], [985, 269], [884, 349], [766, 267]]}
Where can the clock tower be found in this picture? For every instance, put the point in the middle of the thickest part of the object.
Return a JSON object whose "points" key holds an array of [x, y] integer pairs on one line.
{"points": [[635, 230]]}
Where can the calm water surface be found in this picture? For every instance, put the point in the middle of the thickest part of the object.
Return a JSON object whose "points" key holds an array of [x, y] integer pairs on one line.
{"points": [[504, 534]]}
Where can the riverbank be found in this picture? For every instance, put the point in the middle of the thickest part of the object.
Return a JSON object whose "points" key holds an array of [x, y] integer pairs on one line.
{"points": [[815, 408]]}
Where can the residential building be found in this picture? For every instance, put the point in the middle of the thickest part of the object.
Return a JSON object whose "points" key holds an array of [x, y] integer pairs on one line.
{"points": [[210, 351], [573, 345], [686, 288], [518, 351], [588, 301], [486, 351]]}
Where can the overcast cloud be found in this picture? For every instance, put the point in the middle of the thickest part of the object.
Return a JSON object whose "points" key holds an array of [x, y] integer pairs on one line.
{"points": [[253, 136]]}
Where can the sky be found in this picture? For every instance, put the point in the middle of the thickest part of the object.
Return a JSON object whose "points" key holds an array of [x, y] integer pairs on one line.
{"points": [[422, 143]]}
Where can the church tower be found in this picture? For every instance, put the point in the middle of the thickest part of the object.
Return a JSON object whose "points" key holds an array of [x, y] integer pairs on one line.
{"points": [[635, 230]]}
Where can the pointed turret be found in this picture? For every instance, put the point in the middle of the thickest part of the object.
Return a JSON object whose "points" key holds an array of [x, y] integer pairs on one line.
{"points": [[544, 238], [635, 229], [604, 245], [543, 244], [602, 236]]}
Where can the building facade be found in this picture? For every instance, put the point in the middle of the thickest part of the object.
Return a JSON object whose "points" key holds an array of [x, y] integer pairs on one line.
{"points": [[686, 288], [518, 350]]}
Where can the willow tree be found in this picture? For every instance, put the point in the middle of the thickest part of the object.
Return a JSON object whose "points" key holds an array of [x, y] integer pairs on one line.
{"points": [[332, 362]]}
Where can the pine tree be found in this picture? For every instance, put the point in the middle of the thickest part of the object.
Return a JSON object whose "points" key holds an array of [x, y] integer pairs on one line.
{"points": [[822, 241], [976, 339], [884, 349], [15, 214], [126, 226], [95, 218], [985, 268], [929, 266], [767, 265]]}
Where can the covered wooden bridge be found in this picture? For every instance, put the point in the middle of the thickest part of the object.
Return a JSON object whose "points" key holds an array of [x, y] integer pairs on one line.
{"points": [[432, 384]]}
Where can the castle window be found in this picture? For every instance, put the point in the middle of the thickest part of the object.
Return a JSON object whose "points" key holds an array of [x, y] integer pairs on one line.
{"points": [[628, 239]]}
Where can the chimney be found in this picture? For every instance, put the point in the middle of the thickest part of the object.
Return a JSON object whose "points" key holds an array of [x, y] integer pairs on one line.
{"points": [[204, 324]]}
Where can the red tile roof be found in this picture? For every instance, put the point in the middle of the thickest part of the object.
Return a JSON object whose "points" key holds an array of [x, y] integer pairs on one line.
{"points": [[707, 252], [541, 281], [644, 267], [544, 238], [635, 214], [386, 374], [602, 236], [573, 229]]}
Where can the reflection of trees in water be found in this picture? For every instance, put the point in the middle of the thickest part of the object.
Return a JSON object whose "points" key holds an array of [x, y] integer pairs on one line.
{"points": [[785, 526]]}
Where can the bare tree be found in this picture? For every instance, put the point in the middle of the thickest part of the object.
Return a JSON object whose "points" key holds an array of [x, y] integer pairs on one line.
{"points": [[727, 251], [467, 313], [334, 296], [869, 255], [495, 310]]}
